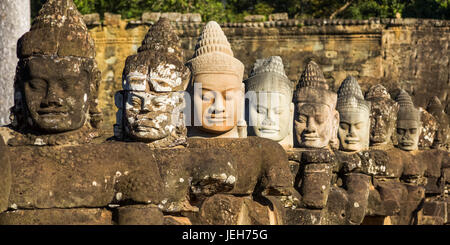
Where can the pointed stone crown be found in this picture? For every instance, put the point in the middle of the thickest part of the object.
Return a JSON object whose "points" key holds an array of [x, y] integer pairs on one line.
{"points": [[407, 111], [351, 97], [213, 53], [269, 75], [159, 60], [312, 87], [162, 37], [377, 91], [312, 77], [435, 106], [58, 30]]}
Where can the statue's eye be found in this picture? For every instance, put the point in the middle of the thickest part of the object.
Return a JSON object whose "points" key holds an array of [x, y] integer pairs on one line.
{"points": [[400, 131], [358, 125], [260, 110], [302, 119], [412, 130], [278, 111], [136, 102], [319, 119], [207, 97], [38, 84], [344, 126]]}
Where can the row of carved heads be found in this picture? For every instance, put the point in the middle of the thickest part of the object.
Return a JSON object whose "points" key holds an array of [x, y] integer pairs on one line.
{"points": [[57, 83]]}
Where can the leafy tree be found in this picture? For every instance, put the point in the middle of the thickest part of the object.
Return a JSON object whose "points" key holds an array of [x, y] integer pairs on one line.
{"points": [[235, 10]]}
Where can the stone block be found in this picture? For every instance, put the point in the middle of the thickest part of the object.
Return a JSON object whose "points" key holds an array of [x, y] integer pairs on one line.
{"points": [[315, 185], [358, 188], [140, 215], [172, 16], [148, 17], [278, 17], [446, 174], [392, 194], [191, 17], [375, 206], [92, 19], [95, 175], [435, 185], [77, 216], [435, 208], [336, 208], [230, 210], [175, 220], [112, 19], [254, 18], [317, 156]]}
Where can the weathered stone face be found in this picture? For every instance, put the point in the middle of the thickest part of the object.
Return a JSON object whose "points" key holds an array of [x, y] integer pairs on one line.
{"points": [[314, 124], [383, 115], [408, 132], [409, 125], [151, 116], [216, 85], [353, 132], [56, 92], [271, 110], [151, 102], [271, 116], [443, 132], [216, 105]]}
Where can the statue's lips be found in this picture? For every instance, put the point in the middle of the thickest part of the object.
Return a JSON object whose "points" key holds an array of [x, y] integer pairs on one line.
{"points": [[269, 130], [311, 137], [144, 128], [351, 141], [407, 143], [216, 119], [51, 112]]}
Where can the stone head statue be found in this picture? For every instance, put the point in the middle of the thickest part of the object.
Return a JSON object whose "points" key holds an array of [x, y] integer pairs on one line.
{"points": [[383, 115], [409, 125], [151, 102], [271, 110], [216, 86], [315, 118], [57, 77], [443, 132], [354, 114]]}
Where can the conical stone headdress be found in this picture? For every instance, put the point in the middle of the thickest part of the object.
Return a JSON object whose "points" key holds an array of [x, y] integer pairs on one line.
{"points": [[159, 62], [407, 110], [312, 87], [312, 77], [435, 106], [268, 75], [377, 91], [350, 96], [59, 30], [213, 53]]}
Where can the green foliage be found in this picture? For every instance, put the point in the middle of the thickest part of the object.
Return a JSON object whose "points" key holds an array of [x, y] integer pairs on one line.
{"points": [[236, 10]]}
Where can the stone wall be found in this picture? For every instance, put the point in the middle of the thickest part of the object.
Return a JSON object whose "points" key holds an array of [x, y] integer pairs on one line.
{"points": [[399, 53]]}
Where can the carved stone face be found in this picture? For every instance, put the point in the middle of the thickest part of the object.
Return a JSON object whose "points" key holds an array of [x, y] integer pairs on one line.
{"points": [[353, 132], [314, 124], [56, 91], [271, 115], [442, 135], [383, 116], [408, 132], [216, 104], [149, 116]]}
